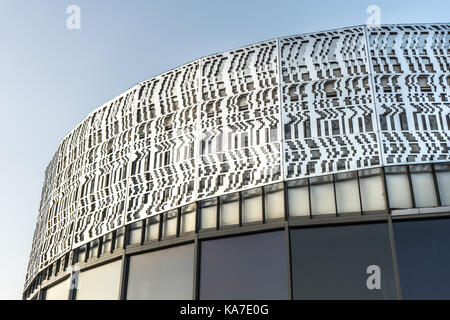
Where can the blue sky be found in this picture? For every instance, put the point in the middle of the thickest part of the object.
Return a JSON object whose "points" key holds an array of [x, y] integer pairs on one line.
{"points": [[52, 77]]}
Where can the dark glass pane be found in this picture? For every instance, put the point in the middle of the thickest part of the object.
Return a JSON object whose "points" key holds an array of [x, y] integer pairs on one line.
{"points": [[337, 262], [423, 258], [245, 267]]}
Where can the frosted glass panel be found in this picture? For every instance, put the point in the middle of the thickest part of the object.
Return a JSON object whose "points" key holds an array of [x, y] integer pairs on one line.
{"points": [[135, 233], [120, 237], [251, 206], [100, 283], [229, 210], [423, 186], [298, 198], [372, 190], [398, 188], [443, 180], [208, 214], [274, 195], [152, 228], [162, 274], [170, 223], [322, 195], [347, 193], [93, 251], [59, 291], [107, 242], [188, 218], [81, 254]]}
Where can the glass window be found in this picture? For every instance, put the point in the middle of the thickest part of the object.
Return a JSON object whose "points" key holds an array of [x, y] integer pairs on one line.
{"points": [[423, 258], [170, 223], [162, 274], [274, 196], [443, 180], [398, 187], [187, 223], [298, 197], [50, 271], [81, 254], [65, 263], [59, 291], [252, 205], [152, 228], [229, 209], [135, 232], [347, 192], [100, 283], [371, 186], [208, 215], [93, 251], [120, 237], [244, 267], [58, 265], [423, 186], [322, 195], [342, 262], [107, 242]]}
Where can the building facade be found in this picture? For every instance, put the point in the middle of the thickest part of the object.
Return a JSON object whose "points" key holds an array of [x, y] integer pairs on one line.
{"points": [[313, 166]]}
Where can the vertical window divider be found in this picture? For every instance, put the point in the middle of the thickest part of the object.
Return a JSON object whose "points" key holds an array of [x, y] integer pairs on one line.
{"points": [[66, 261], [288, 260], [143, 230], [88, 251], [124, 277], [309, 198], [263, 199], [394, 258], [126, 238], [436, 187], [160, 226], [286, 201], [359, 192], [386, 196], [197, 216], [218, 213], [334, 193], [197, 261], [73, 257], [411, 191], [240, 208], [113, 241], [178, 221], [100, 247]]}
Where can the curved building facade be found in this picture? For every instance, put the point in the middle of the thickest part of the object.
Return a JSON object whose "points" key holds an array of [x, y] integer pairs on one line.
{"points": [[312, 166]]}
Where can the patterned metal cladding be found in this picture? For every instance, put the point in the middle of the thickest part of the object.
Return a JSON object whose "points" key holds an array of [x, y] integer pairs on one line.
{"points": [[327, 103], [411, 78], [283, 109]]}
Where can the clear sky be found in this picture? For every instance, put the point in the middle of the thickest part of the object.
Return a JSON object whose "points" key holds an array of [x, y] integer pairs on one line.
{"points": [[51, 77]]}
